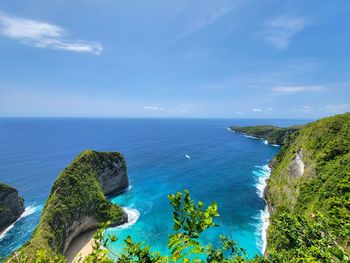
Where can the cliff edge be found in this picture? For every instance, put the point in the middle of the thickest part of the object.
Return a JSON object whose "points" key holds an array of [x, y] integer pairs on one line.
{"points": [[308, 193], [11, 206], [78, 203]]}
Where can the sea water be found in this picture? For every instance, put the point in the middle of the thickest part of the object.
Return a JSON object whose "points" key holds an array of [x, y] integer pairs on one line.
{"points": [[163, 156]]}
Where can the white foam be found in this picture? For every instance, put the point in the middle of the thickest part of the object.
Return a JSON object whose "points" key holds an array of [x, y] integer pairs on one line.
{"points": [[275, 145], [263, 174], [27, 211], [264, 217], [133, 216], [265, 142], [252, 137]]}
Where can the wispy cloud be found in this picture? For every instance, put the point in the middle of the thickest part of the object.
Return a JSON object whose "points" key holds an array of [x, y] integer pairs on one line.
{"points": [[280, 31], [153, 108], [298, 89], [43, 35], [257, 110], [203, 21], [303, 109], [338, 108]]}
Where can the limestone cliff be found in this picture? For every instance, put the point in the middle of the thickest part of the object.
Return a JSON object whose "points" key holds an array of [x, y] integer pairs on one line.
{"points": [[78, 202], [11, 206]]}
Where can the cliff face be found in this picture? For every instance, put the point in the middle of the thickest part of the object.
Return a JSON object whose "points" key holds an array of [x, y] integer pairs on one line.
{"points": [[78, 202], [274, 135], [309, 194], [11, 206]]}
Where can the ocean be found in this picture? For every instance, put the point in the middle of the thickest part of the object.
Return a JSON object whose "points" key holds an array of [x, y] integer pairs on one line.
{"points": [[163, 156]]}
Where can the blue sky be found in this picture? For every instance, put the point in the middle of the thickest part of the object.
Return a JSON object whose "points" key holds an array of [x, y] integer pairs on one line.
{"points": [[229, 59]]}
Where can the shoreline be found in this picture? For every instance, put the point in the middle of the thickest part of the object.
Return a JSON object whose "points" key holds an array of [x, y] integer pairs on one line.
{"points": [[264, 214]]}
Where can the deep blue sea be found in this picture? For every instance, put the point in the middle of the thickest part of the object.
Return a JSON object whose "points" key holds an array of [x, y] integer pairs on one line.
{"points": [[223, 166]]}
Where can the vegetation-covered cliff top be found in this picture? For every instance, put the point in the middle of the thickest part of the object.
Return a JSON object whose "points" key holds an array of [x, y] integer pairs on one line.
{"points": [[76, 203], [309, 194], [274, 135]]}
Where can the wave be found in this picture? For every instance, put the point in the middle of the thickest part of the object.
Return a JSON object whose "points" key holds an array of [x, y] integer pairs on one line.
{"points": [[27, 212], [133, 216], [265, 142], [275, 145], [252, 137], [262, 174]]}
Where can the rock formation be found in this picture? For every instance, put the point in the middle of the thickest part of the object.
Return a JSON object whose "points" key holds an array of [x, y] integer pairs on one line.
{"points": [[78, 203], [11, 206]]}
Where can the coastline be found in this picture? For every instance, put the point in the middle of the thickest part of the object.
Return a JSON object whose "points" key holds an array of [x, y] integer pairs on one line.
{"points": [[261, 186], [27, 212]]}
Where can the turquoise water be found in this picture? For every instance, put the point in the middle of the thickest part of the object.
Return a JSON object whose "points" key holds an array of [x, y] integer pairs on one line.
{"points": [[223, 166]]}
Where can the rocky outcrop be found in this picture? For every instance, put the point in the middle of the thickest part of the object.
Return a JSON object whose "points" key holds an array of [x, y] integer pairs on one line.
{"points": [[112, 184], [11, 206], [78, 202], [297, 166]]}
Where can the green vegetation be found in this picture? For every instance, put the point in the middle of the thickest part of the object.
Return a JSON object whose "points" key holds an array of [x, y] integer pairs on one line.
{"points": [[274, 135], [190, 218], [76, 197], [310, 219], [310, 209]]}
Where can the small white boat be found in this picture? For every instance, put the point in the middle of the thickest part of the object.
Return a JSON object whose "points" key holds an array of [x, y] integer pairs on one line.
{"points": [[187, 156]]}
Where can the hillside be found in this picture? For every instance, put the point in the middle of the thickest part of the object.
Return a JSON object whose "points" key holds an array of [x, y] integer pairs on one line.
{"points": [[77, 203], [309, 194], [274, 135]]}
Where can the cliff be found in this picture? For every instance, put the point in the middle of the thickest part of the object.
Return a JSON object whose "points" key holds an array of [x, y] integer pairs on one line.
{"points": [[11, 206], [274, 135], [78, 203], [309, 194]]}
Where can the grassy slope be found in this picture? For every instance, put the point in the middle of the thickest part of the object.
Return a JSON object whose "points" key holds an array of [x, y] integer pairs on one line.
{"points": [[272, 134], [75, 193], [310, 219]]}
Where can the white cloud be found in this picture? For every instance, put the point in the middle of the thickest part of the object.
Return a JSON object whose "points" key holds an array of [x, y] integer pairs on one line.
{"points": [[43, 35], [298, 89], [303, 109], [203, 21], [280, 31], [257, 110], [153, 108], [338, 108]]}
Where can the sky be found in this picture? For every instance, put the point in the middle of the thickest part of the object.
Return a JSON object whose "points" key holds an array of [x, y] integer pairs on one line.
{"points": [[180, 58]]}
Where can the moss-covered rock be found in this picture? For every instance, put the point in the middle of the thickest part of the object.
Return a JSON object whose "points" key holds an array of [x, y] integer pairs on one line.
{"points": [[78, 203], [309, 194], [274, 135], [11, 206]]}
